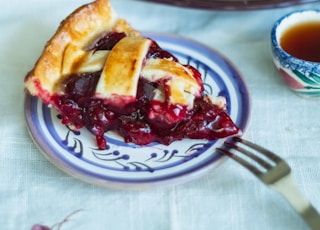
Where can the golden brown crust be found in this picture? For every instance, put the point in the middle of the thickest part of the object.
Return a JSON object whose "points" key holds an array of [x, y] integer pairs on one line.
{"points": [[182, 85], [80, 28], [122, 68]]}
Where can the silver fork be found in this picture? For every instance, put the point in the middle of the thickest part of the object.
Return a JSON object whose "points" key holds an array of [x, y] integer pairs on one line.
{"points": [[274, 172]]}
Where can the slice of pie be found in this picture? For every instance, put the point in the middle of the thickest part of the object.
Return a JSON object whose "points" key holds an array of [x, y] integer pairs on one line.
{"points": [[100, 73]]}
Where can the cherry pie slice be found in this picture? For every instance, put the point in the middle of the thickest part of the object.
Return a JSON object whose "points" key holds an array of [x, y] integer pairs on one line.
{"points": [[100, 73]]}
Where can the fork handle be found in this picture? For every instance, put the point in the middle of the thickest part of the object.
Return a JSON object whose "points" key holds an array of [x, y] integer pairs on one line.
{"points": [[290, 191]]}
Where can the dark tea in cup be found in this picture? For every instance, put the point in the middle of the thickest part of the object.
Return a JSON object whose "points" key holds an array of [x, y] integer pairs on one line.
{"points": [[302, 41], [295, 40]]}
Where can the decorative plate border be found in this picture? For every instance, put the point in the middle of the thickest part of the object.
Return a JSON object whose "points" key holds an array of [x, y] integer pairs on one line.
{"points": [[128, 166], [232, 5]]}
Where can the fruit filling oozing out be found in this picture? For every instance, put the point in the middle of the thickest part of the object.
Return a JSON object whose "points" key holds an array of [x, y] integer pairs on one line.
{"points": [[143, 120]]}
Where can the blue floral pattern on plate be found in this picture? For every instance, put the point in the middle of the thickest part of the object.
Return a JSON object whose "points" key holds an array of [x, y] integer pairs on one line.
{"points": [[129, 166]]}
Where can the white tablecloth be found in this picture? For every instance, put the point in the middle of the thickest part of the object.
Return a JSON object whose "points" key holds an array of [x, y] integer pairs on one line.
{"points": [[32, 190]]}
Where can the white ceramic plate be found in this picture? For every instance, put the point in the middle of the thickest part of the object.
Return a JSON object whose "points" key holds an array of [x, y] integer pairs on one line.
{"points": [[128, 166]]}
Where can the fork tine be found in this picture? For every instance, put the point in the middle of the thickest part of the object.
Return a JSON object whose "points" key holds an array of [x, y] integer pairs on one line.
{"points": [[249, 154], [241, 161], [259, 149]]}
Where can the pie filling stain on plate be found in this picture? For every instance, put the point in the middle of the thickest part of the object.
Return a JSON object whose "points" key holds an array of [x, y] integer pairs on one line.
{"points": [[129, 166]]}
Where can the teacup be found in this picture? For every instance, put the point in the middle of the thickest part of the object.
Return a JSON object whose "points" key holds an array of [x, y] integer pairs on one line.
{"points": [[295, 42]]}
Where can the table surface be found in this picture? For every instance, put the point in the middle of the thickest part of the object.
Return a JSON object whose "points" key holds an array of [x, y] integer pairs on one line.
{"points": [[32, 190]]}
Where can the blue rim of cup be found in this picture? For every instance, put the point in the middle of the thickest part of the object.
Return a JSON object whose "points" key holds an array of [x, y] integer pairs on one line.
{"points": [[284, 58]]}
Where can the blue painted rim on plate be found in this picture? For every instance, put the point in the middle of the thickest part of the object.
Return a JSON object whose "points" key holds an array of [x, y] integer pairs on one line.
{"points": [[127, 166]]}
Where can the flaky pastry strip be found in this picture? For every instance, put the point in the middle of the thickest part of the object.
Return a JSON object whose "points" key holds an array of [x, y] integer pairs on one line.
{"points": [[82, 27]]}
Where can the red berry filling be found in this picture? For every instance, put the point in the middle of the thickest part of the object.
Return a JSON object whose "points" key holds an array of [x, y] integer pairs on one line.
{"points": [[145, 120]]}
